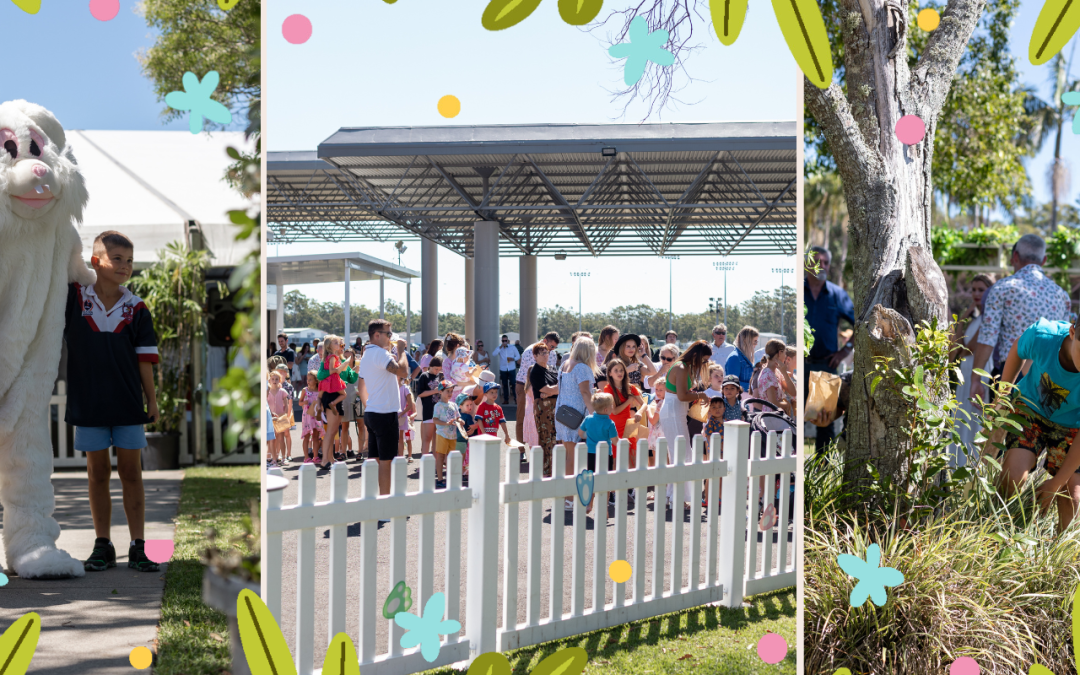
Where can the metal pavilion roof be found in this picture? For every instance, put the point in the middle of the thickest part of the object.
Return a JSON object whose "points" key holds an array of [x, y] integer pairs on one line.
{"points": [[692, 189]]}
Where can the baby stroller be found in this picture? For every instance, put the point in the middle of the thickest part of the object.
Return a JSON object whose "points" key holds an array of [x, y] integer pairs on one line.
{"points": [[772, 418]]}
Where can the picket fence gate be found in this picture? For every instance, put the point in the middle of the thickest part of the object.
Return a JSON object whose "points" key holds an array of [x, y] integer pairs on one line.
{"points": [[730, 564], [65, 455]]}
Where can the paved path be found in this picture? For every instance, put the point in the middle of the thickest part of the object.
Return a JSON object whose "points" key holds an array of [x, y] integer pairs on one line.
{"points": [[288, 604], [91, 624]]}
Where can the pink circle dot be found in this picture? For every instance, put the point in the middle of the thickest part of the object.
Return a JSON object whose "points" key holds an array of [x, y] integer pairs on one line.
{"points": [[772, 648], [910, 129], [965, 665], [104, 10], [296, 29]]}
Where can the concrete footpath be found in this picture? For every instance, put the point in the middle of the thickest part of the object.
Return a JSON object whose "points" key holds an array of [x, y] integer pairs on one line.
{"points": [[91, 624]]}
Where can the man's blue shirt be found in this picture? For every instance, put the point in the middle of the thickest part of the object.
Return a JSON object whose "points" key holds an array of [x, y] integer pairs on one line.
{"points": [[824, 315]]}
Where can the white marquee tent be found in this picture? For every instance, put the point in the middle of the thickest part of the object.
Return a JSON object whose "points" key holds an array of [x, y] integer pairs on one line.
{"points": [[150, 184]]}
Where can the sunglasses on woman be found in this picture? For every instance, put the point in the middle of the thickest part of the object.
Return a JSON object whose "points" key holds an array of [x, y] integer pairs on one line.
{"points": [[667, 360]]}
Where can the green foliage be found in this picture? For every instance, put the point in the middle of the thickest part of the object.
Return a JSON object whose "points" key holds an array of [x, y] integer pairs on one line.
{"points": [[174, 290], [944, 240], [811, 265], [761, 311], [980, 136], [1061, 249], [198, 36], [238, 392]]}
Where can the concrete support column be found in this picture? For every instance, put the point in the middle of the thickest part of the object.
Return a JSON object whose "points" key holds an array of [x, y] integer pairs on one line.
{"points": [[382, 297], [429, 290], [408, 312], [470, 301], [486, 282], [348, 302], [279, 320], [527, 299]]}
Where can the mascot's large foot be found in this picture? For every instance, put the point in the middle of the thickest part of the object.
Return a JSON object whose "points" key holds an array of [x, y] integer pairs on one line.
{"points": [[46, 562]]}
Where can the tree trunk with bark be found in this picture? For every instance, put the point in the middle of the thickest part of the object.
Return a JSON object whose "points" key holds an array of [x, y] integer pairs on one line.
{"points": [[889, 196]]}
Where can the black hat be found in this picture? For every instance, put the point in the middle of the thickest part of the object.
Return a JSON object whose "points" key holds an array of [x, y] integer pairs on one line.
{"points": [[623, 339]]}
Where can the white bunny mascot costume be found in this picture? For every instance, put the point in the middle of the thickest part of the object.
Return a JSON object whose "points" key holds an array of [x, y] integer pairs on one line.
{"points": [[42, 196]]}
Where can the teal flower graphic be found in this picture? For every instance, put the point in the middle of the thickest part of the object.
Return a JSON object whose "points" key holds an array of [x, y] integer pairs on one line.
{"points": [[196, 98], [3, 579], [642, 48], [425, 630], [1073, 98], [872, 578]]}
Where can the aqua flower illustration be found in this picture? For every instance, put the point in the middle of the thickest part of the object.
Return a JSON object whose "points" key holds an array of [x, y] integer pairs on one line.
{"points": [[196, 98], [426, 630], [872, 578], [1073, 98], [3, 579], [642, 48]]}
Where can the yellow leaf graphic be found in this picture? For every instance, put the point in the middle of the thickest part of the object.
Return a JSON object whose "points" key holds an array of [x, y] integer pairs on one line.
{"points": [[1039, 670], [18, 643], [28, 6], [1057, 23], [490, 663], [341, 658], [264, 645], [727, 18], [579, 12], [567, 661], [1076, 627], [804, 31], [502, 14]]}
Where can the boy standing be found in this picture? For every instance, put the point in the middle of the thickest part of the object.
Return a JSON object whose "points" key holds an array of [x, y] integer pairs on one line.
{"points": [[490, 414], [111, 351], [599, 427], [1048, 397], [447, 419]]}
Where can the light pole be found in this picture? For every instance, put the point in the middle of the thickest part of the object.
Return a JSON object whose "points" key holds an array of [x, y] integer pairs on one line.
{"points": [[724, 266], [670, 318], [579, 275], [782, 271]]}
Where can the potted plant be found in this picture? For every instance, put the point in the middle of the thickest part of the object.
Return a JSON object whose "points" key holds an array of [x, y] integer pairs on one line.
{"points": [[174, 288], [229, 570]]}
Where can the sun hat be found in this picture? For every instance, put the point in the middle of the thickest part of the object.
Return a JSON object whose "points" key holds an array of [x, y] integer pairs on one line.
{"points": [[461, 353], [487, 376], [623, 339]]}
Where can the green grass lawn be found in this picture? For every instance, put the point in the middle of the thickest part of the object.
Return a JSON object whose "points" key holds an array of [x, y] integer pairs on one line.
{"points": [[192, 638], [699, 640]]}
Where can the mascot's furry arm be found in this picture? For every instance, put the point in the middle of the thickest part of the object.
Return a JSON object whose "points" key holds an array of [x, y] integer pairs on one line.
{"points": [[42, 197]]}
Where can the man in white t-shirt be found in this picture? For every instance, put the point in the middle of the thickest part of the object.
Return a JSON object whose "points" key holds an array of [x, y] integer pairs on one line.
{"points": [[378, 389], [721, 349]]}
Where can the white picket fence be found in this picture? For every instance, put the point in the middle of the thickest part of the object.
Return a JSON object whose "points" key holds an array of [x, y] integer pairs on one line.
{"points": [[64, 455], [730, 565]]}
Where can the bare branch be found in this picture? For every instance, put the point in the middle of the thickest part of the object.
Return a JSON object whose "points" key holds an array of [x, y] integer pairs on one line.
{"points": [[855, 159], [657, 87], [932, 78]]}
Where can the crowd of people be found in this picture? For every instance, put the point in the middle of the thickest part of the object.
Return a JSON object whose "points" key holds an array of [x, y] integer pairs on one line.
{"points": [[1021, 330], [605, 389]]}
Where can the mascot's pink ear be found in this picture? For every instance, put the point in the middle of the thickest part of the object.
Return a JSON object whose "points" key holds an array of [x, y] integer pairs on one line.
{"points": [[44, 119]]}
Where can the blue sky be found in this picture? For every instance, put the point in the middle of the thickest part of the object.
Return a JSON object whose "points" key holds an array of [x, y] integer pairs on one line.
{"points": [[82, 69], [374, 64]]}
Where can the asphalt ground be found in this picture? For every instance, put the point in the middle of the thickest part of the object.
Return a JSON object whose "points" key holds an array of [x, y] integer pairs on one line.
{"points": [[562, 518]]}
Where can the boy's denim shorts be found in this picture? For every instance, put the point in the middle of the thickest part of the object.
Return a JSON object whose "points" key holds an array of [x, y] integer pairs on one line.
{"points": [[91, 439]]}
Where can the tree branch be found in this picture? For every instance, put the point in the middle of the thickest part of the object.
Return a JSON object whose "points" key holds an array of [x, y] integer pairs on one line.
{"points": [[855, 160], [932, 78]]}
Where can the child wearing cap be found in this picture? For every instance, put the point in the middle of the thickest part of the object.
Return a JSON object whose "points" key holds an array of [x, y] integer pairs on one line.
{"points": [[490, 414], [447, 418], [469, 426]]}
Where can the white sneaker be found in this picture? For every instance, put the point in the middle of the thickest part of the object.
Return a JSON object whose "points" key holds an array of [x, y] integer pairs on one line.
{"points": [[568, 504]]}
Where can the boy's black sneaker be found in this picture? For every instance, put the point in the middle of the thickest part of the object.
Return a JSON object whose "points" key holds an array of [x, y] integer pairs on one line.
{"points": [[103, 557], [137, 558]]}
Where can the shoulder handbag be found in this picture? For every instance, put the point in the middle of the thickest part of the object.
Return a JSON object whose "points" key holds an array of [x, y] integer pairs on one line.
{"points": [[567, 416]]}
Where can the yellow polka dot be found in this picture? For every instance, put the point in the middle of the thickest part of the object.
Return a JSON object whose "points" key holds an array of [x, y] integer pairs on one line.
{"points": [[141, 658], [620, 571], [929, 19], [449, 106]]}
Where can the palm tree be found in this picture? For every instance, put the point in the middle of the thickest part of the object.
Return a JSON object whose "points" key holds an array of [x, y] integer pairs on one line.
{"points": [[1050, 118]]}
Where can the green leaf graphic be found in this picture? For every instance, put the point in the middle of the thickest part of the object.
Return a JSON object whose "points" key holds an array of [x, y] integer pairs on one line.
{"points": [[579, 12], [804, 31], [1057, 23], [501, 14], [727, 18]]}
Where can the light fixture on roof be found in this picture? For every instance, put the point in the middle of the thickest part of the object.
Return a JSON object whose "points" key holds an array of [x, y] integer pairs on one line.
{"points": [[560, 256], [608, 152]]}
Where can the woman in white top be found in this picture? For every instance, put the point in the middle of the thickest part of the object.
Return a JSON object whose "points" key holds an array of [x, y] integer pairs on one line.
{"points": [[965, 345]]}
